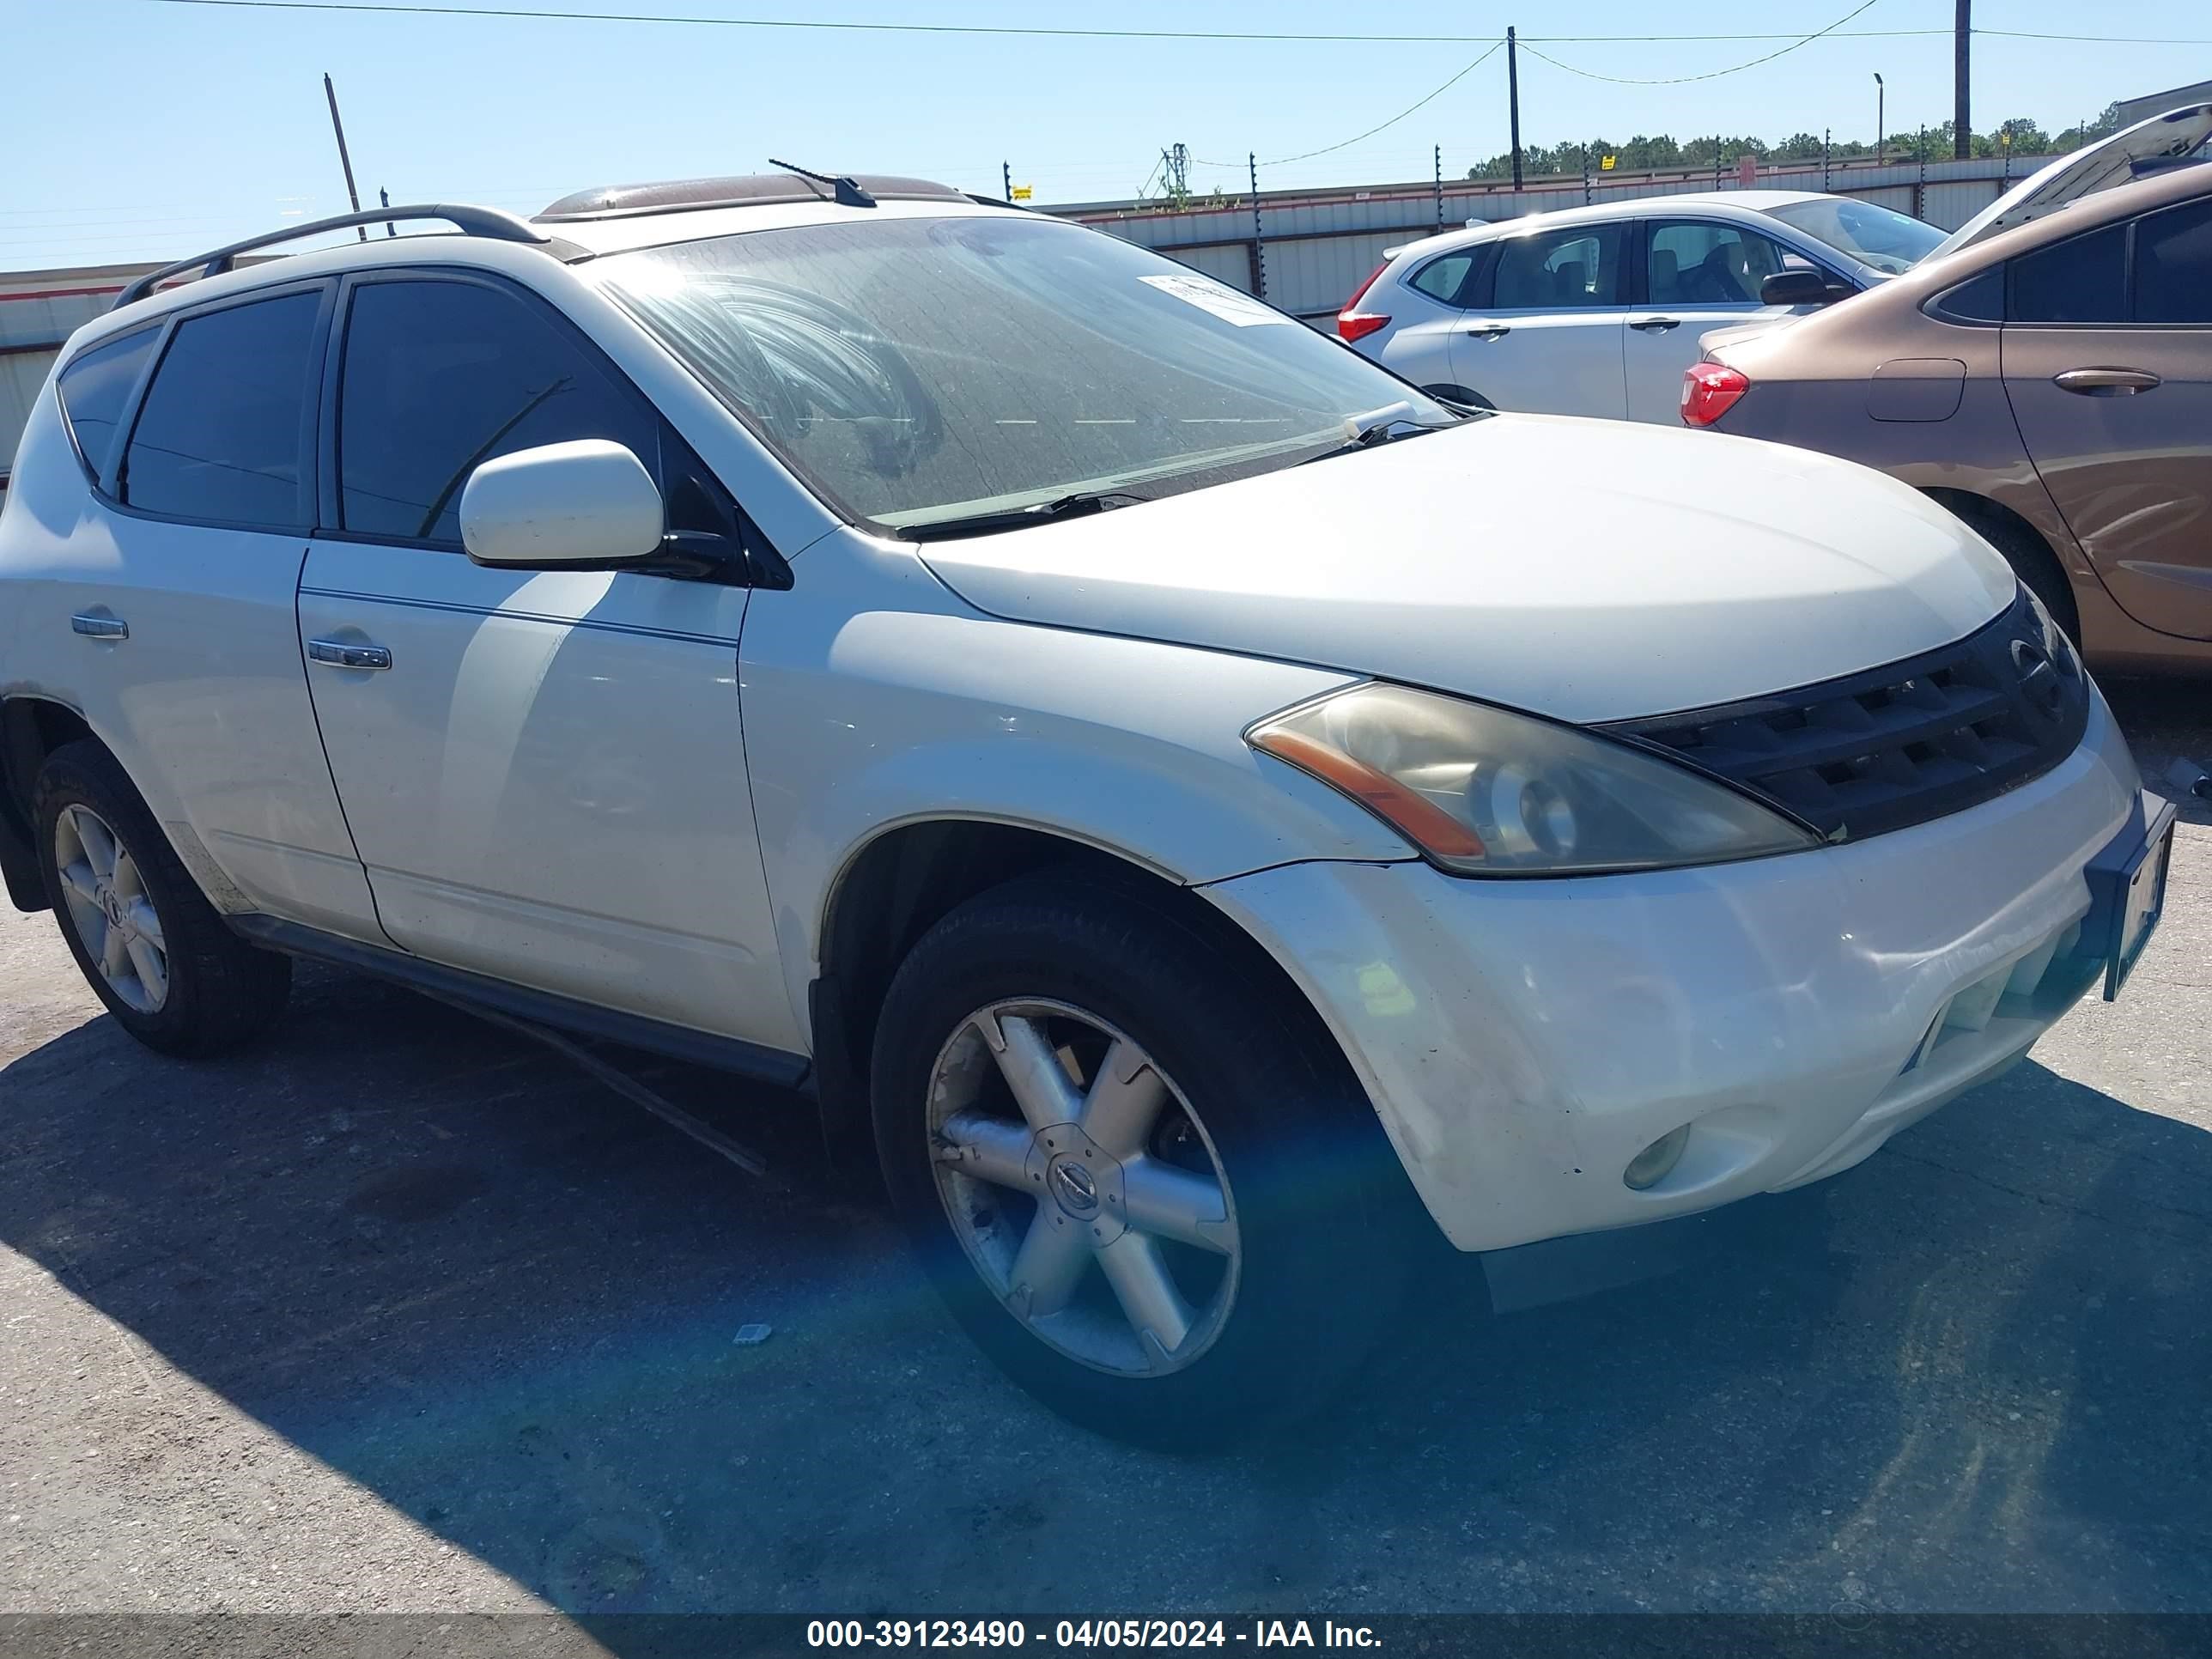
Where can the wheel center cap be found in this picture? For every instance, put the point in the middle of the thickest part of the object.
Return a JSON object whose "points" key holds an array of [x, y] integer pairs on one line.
{"points": [[1075, 1186], [1078, 1183], [111, 906]]}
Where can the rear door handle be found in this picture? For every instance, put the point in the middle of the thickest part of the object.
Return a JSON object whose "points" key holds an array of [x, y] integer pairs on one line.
{"points": [[1655, 324], [1491, 331], [99, 628], [2107, 382], [337, 654]]}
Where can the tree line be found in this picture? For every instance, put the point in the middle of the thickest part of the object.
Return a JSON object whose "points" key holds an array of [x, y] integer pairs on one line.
{"points": [[1662, 152]]}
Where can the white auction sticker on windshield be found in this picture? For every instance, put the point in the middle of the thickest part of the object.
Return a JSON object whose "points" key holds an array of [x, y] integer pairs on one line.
{"points": [[1222, 300]]}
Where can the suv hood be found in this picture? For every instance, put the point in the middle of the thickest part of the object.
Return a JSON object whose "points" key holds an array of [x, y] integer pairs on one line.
{"points": [[1590, 570], [2176, 137]]}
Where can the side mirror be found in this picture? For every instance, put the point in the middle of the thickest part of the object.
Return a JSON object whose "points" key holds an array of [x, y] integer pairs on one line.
{"points": [[1796, 287], [586, 505]]}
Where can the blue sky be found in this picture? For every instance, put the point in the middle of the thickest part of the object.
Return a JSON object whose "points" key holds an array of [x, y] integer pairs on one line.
{"points": [[136, 129]]}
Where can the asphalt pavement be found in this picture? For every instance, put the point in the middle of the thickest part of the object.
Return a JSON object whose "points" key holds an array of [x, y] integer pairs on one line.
{"points": [[400, 1311]]}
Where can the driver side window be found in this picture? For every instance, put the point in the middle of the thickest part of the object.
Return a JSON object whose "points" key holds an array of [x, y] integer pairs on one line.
{"points": [[441, 376], [1701, 263]]}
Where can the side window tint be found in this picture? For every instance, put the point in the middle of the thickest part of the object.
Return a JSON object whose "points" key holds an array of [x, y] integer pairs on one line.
{"points": [[1442, 279], [1978, 300], [1576, 268], [223, 433], [2173, 266], [1694, 263], [93, 390], [2080, 281], [440, 377]]}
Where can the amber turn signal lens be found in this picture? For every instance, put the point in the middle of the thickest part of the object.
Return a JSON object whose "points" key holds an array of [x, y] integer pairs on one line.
{"points": [[1427, 825]]}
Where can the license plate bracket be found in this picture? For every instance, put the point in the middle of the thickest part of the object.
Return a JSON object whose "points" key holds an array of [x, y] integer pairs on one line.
{"points": [[2127, 887]]}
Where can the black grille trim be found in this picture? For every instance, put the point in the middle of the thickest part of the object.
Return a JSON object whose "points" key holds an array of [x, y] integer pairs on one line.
{"points": [[1897, 746]]}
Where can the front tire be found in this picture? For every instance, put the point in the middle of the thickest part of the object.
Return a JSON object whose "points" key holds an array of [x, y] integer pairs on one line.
{"points": [[150, 945], [1144, 1185]]}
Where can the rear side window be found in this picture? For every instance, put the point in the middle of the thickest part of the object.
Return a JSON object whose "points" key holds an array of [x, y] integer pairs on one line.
{"points": [[440, 377], [1704, 264], [1978, 300], [2173, 266], [1576, 268], [93, 389], [2083, 280], [1442, 279], [224, 429]]}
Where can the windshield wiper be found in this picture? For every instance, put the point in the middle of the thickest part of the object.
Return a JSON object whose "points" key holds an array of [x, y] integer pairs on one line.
{"points": [[1379, 426], [1079, 505]]}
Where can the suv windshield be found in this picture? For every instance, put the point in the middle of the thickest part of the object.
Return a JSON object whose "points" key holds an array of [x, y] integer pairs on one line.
{"points": [[921, 370], [1874, 235]]}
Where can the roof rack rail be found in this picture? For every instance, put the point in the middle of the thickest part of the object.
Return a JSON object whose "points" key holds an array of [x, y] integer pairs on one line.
{"points": [[469, 221]]}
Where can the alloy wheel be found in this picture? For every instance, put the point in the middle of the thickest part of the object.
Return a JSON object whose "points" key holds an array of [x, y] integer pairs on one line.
{"points": [[110, 908], [1061, 1146]]}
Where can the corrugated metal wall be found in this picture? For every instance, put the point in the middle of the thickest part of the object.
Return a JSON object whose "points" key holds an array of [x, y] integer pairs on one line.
{"points": [[33, 326], [1316, 249]]}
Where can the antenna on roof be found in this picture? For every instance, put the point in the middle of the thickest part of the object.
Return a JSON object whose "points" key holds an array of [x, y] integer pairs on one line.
{"points": [[849, 193], [345, 160]]}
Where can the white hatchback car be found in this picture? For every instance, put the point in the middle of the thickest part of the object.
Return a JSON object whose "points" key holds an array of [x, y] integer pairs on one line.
{"points": [[1598, 310], [890, 645]]}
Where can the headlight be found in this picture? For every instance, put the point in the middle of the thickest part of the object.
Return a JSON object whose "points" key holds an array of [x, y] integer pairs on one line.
{"points": [[1485, 793]]}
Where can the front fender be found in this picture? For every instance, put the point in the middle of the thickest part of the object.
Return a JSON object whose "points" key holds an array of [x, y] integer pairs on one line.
{"points": [[1127, 745]]}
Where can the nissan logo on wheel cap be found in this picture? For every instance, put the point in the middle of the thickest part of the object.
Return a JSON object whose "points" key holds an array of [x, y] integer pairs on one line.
{"points": [[1075, 1186]]}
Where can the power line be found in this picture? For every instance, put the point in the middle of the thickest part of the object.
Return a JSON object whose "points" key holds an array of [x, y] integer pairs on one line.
{"points": [[544, 13], [1326, 149], [2096, 40], [1037, 31], [1710, 75]]}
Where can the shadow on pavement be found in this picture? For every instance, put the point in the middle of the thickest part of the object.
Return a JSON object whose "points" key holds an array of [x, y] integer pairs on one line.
{"points": [[1971, 1374]]}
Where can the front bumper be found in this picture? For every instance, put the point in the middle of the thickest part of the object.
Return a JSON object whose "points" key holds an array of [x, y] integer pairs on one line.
{"points": [[1522, 1041]]}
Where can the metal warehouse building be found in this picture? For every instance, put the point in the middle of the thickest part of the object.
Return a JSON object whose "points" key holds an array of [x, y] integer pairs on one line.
{"points": [[39, 310], [1306, 251]]}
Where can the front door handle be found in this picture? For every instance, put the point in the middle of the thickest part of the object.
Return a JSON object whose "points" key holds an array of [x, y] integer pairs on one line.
{"points": [[337, 654], [2107, 382], [99, 628], [1491, 331], [1655, 324]]}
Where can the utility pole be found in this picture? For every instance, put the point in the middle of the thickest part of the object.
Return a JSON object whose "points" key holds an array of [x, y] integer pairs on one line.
{"points": [[1962, 117], [1440, 186], [1259, 246], [1827, 143], [1006, 178], [1920, 185], [1513, 98], [345, 160], [1880, 91], [1586, 197]]}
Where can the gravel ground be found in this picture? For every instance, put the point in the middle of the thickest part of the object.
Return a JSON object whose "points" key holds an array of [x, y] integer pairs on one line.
{"points": [[399, 1312]]}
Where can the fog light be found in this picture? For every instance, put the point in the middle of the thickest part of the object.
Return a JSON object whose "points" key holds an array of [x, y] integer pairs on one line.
{"points": [[1650, 1166]]}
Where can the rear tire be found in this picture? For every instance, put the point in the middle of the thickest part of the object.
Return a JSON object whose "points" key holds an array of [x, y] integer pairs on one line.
{"points": [[2032, 561], [150, 945], [1215, 1246]]}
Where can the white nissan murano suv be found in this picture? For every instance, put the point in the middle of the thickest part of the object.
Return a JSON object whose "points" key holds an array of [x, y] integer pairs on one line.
{"points": [[1058, 715]]}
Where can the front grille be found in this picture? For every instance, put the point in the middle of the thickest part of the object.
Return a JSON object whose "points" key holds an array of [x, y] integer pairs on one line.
{"points": [[1918, 740]]}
